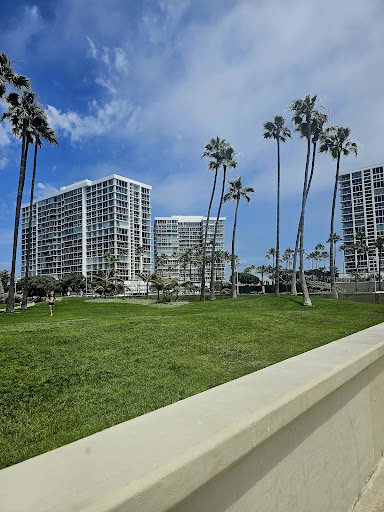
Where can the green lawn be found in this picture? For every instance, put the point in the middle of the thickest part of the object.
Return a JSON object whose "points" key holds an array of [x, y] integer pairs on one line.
{"points": [[95, 364]]}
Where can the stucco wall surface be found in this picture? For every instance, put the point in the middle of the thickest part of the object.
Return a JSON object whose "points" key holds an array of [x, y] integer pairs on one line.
{"points": [[303, 435]]}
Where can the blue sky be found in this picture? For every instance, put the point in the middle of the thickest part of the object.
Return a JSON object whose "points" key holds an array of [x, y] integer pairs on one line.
{"points": [[137, 87]]}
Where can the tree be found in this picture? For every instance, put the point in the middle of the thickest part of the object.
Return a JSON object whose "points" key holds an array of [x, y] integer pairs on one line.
{"points": [[1, 290], [248, 278], [304, 119], [146, 278], [317, 126], [311, 256], [235, 192], [324, 255], [211, 150], [74, 281], [336, 142], [262, 269], [20, 111], [227, 154], [39, 286], [379, 244], [336, 238], [104, 282], [167, 286], [287, 256], [5, 277], [277, 130], [37, 131], [345, 248], [112, 260], [222, 154], [9, 77], [271, 253]]}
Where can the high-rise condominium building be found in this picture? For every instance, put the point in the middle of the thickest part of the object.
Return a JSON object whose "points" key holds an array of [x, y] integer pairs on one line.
{"points": [[73, 229], [362, 210], [178, 236]]}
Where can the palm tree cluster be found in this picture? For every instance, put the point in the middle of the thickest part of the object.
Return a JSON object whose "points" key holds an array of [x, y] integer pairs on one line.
{"points": [[309, 120], [221, 155], [29, 123], [363, 250]]}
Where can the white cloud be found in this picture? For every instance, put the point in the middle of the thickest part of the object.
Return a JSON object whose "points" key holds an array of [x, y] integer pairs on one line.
{"points": [[105, 55], [107, 119], [106, 83], [92, 48], [45, 189], [3, 162], [227, 74], [121, 62]]}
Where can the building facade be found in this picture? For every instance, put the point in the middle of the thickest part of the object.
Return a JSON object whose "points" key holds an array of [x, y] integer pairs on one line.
{"points": [[74, 228], [362, 210], [178, 242]]}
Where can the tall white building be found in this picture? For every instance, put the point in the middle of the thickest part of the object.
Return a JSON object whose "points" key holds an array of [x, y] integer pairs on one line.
{"points": [[362, 209], [74, 228], [175, 235]]}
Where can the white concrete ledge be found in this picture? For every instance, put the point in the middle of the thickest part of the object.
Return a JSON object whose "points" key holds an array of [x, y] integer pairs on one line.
{"points": [[305, 432]]}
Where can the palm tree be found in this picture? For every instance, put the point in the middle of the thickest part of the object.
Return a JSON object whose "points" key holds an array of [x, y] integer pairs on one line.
{"points": [[37, 131], [379, 244], [211, 150], [336, 141], [287, 257], [304, 119], [20, 111], [235, 192], [318, 121], [336, 238], [226, 159], [160, 261], [262, 269], [271, 253], [280, 133], [146, 278], [324, 255], [9, 77], [198, 259], [345, 248], [311, 256], [105, 281]]}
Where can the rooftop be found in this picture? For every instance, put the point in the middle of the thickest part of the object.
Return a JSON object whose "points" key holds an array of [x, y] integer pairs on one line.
{"points": [[365, 168], [188, 218], [87, 183]]}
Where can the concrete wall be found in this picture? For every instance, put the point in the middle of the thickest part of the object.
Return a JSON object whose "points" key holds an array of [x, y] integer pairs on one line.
{"points": [[303, 435]]}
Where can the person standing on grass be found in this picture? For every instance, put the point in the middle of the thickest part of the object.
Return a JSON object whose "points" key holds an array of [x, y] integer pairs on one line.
{"points": [[51, 302]]}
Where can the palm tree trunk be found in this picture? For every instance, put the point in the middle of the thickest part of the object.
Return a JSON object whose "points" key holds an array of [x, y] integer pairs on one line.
{"points": [[29, 239], [233, 277], [23, 164], [277, 276], [335, 295], [190, 273], [379, 270], [294, 263], [304, 200], [202, 292], [306, 298], [212, 295]]}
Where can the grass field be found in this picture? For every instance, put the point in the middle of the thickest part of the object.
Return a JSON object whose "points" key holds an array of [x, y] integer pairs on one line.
{"points": [[95, 364]]}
